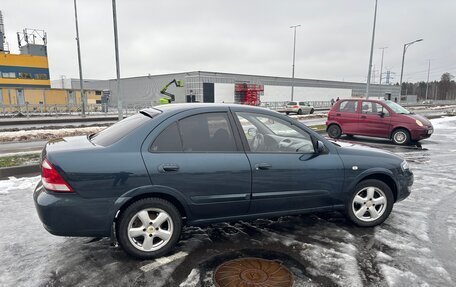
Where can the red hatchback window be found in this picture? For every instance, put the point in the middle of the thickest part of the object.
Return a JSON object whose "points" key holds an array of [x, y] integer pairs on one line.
{"points": [[348, 106]]}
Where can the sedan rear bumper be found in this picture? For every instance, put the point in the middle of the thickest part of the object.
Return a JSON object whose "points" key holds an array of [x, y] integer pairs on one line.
{"points": [[68, 214]]}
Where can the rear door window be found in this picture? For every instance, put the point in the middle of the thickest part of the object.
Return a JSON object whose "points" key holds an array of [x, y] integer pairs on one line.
{"points": [[210, 132], [168, 140], [348, 107]]}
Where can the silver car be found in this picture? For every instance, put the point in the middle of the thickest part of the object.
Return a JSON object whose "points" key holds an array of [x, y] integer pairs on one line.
{"points": [[300, 108]]}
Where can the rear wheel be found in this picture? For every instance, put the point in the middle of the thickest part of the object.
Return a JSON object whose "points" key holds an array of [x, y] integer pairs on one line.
{"points": [[287, 113], [370, 204], [149, 228], [299, 112], [401, 137], [334, 131]]}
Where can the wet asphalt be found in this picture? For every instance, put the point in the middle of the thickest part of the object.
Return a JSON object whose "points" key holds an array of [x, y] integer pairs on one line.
{"points": [[415, 246]]}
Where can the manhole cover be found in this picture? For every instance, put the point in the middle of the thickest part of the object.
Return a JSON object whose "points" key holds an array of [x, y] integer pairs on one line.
{"points": [[252, 272]]}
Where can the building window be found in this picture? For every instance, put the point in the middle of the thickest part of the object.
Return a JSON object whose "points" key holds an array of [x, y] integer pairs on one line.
{"points": [[98, 93], [41, 76], [11, 75], [25, 76]]}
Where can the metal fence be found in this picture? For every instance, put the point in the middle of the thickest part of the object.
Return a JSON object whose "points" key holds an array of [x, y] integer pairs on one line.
{"points": [[30, 110]]}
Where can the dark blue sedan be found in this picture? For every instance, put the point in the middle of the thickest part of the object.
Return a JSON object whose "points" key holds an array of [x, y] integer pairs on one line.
{"points": [[144, 177]]}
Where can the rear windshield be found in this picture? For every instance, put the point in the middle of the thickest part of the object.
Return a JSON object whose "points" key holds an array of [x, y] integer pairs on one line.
{"points": [[291, 103], [118, 130]]}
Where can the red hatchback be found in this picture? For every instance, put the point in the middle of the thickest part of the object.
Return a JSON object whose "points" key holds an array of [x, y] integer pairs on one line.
{"points": [[376, 118]]}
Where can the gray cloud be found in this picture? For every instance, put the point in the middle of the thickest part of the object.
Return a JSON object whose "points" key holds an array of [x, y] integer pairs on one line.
{"points": [[241, 36]]}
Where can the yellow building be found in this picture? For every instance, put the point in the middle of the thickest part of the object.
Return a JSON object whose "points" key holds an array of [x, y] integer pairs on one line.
{"points": [[18, 70], [25, 83], [47, 100]]}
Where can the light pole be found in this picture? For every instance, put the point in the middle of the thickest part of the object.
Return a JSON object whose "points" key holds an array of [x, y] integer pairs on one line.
{"points": [[381, 66], [381, 69], [116, 47], [79, 60], [403, 58], [371, 53], [427, 82], [294, 53]]}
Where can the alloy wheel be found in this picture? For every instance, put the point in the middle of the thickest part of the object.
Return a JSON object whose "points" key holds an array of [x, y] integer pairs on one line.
{"points": [[150, 229], [369, 204]]}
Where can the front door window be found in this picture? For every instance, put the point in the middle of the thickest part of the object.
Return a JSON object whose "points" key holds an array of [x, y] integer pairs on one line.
{"points": [[271, 134]]}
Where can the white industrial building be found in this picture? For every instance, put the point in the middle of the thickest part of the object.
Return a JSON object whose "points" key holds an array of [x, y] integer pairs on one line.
{"points": [[217, 87]]}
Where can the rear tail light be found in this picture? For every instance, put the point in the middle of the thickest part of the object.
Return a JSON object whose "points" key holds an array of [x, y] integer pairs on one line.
{"points": [[52, 180], [295, 107]]}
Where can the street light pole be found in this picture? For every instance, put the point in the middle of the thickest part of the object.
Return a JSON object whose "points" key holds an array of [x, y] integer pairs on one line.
{"points": [[371, 53], [381, 66], [116, 46], [294, 53], [79, 60], [427, 82], [403, 59]]}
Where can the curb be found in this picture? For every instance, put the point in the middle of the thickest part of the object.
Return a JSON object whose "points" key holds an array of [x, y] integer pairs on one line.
{"points": [[15, 171]]}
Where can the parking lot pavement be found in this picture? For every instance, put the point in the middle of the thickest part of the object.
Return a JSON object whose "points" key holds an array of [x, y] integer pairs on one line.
{"points": [[415, 246]]}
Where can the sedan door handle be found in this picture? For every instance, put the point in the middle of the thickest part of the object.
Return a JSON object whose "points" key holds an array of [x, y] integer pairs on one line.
{"points": [[167, 167], [338, 114], [363, 117], [263, 166]]}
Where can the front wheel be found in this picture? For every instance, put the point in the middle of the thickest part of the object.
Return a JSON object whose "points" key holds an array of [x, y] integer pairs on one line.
{"points": [[370, 204], [299, 112], [401, 137], [312, 111], [149, 228]]}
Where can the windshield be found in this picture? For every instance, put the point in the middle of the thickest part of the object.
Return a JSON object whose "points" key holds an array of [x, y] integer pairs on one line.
{"points": [[291, 103], [398, 109]]}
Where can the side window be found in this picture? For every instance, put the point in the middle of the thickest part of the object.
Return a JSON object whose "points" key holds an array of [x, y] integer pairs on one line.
{"points": [[209, 132], [368, 108], [348, 106], [380, 108], [168, 140], [270, 134]]}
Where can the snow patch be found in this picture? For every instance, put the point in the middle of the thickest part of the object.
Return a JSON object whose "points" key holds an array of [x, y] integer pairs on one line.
{"points": [[25, 183], [46, 134], [192, 279], [396, 277]]}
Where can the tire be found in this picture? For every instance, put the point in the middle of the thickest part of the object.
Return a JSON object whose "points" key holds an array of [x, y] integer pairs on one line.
{"points": [[161, 236], [299, 112], [287, 113], [370, 195], [334, 131], [312, 111], [401, 137]]}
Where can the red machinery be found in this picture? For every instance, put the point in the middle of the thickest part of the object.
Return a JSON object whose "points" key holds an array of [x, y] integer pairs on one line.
{"points": [[248, 94]]}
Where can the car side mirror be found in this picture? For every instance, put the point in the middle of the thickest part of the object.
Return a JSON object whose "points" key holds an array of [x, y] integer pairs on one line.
{"points": [[381, 114], [320, 147]]}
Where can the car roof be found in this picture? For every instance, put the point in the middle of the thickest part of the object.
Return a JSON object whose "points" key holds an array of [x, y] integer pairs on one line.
{"points": [[174, 108], [363, 99]]}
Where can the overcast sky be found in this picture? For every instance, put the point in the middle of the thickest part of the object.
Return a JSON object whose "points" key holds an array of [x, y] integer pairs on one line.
{"points": [[241, 36]]}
